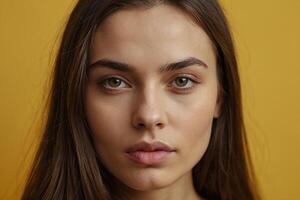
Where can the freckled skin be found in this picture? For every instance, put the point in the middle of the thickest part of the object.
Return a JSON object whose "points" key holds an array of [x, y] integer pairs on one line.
{"points": [[147, 39]]}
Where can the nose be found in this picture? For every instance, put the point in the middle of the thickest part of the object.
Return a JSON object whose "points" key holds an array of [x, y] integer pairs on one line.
{"points": [[149, 113]]}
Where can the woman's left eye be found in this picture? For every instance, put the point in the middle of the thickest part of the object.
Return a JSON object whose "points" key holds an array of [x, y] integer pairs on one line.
{"points": [[183, 83]]}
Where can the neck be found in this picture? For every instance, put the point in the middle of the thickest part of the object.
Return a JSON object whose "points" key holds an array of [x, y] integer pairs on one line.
{"points": [[180, 189]]}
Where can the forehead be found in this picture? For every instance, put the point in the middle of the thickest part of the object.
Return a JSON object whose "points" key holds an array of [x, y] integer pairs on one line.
{"points": [[159, 34], [166, 20]]}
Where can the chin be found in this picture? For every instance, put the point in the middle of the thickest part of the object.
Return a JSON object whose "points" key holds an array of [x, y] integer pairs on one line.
{"points": [[148, 181], [147, 186]]}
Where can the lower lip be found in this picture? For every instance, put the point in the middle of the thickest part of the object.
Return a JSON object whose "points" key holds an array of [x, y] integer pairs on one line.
{"points": [[149, 157]]}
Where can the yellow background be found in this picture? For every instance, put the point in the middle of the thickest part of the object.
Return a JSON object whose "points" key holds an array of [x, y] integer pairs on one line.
{"points": [[267, 36]]}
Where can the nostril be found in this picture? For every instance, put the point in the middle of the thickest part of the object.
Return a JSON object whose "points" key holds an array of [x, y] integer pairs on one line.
{"points": [[141, 125], [160, 124]]}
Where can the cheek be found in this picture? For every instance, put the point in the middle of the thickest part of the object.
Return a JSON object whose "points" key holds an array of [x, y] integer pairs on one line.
{"points": [[106, 120], [194, 126]]}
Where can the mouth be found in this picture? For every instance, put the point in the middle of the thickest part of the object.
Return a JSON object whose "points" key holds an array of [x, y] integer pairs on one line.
{"points": [[148, 147], [149, 153]]}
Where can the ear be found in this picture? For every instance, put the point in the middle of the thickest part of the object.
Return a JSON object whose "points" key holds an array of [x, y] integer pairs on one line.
{"points": [[218, 106]]}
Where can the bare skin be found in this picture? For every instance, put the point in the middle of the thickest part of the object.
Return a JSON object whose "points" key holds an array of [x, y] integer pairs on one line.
{"points": [[144, 104]]}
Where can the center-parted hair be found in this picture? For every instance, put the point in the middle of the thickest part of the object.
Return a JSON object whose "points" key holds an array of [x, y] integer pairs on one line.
{"points": [[66, 165]]}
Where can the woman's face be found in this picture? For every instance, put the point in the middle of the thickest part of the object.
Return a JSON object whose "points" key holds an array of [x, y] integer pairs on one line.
{"points": [[133, 97]]}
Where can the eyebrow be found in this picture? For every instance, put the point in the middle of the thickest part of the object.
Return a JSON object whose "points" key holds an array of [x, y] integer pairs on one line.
{"points": [[124, 67]]}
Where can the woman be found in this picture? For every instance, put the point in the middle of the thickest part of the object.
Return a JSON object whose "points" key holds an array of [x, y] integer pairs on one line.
{"points": [[145, 104]]}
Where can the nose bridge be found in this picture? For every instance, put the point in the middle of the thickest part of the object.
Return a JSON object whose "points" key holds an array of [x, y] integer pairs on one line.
{"points": [[149, 109]]}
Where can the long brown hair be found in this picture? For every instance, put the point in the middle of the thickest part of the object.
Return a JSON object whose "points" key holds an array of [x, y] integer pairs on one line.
{"points": [[66, 165]]}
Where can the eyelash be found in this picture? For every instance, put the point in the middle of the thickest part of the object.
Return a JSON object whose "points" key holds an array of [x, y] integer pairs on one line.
{"points": [[104, 82]]}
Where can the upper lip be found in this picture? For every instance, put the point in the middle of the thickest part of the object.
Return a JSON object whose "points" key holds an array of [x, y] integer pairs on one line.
{"points": [[154, 146]]}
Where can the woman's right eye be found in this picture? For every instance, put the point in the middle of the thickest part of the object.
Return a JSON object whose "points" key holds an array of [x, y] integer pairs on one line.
{"points": [[113, 83]]}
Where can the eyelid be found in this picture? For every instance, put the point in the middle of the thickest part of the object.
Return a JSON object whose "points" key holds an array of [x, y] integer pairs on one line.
{"points": [[193, 77], [190, 76]]}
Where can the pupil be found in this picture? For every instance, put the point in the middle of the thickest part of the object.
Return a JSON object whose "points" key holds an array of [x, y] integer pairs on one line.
{"points": [[182, 81], [115, 82]]}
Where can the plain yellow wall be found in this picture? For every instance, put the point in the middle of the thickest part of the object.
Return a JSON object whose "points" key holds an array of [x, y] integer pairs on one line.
{"points": [[267, 35]]}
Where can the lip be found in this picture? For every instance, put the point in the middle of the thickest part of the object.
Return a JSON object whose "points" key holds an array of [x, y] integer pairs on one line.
{"points": [[149, 153], [148, 147]]}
